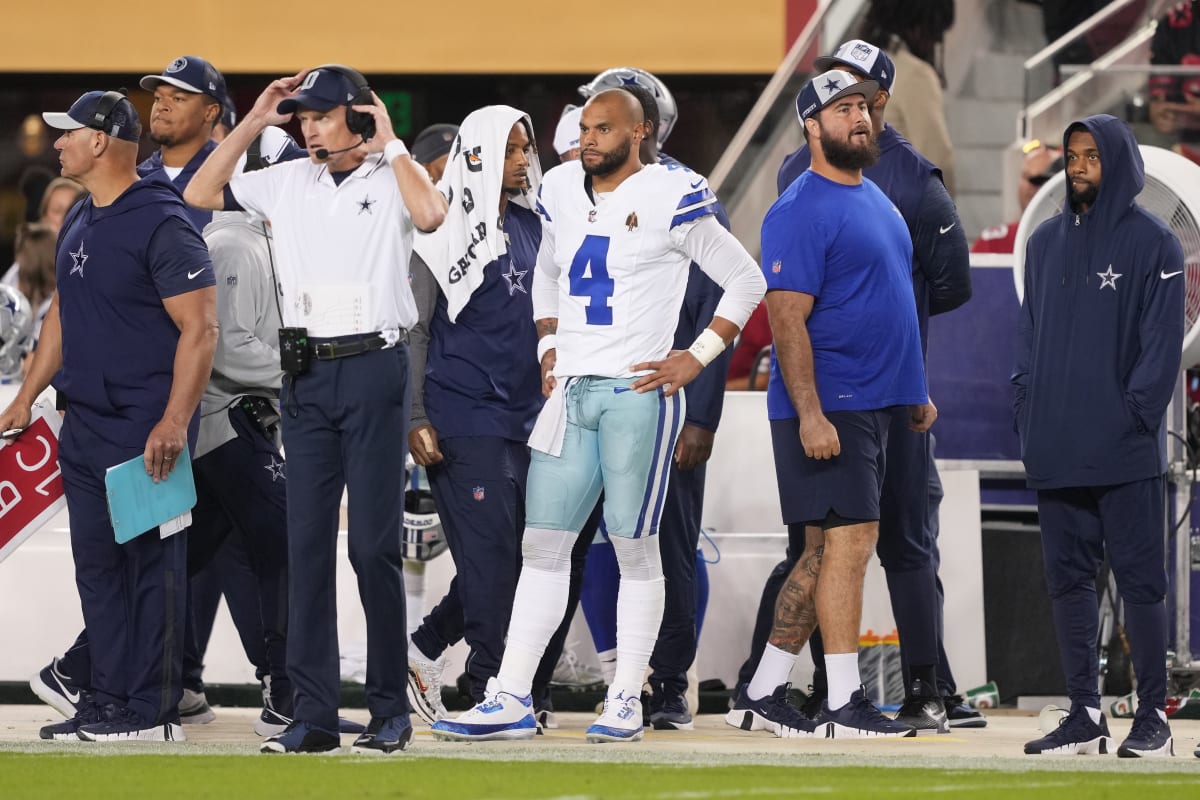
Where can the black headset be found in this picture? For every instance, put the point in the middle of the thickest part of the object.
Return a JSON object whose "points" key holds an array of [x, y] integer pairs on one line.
{"points": [[356, 121], [103, 110]]}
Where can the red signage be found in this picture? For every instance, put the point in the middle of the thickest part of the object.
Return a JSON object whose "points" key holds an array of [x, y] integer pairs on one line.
{"points": [[31, 489]]}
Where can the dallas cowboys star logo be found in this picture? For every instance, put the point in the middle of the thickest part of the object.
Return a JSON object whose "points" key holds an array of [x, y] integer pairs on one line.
{"points": [[629, 80], [276, 468], [832, 86], [514, 277], [1109, 278], [365, 205], [80, 258]]}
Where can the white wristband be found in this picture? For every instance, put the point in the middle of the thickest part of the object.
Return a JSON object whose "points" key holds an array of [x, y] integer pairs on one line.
{"points": [[708, 345], [546, 344], [394, 149]]}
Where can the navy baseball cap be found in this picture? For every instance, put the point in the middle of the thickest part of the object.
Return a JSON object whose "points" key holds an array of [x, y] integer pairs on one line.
{"points": [[321, 90], [433, 142], [190, 73], [121, 122], [829, 86], [863, 57]]}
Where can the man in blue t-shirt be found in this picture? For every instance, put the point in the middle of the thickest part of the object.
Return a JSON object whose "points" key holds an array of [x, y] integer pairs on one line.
{"points": [[837, 257], [129, 340]]}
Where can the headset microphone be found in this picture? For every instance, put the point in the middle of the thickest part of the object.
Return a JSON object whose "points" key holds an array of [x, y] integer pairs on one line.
{"points": [[322, 154]]}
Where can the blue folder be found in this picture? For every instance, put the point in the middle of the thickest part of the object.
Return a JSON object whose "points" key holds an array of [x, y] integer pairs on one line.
{"points": [[136, 504]]}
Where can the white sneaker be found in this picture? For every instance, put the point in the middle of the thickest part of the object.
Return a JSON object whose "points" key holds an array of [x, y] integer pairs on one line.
{"points": [[570, 671], [500, 716], [620, 722], [425, 685]]}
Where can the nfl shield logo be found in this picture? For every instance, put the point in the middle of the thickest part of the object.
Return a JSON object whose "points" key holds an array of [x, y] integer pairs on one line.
{"points": [[776, 266], [477, 493]]}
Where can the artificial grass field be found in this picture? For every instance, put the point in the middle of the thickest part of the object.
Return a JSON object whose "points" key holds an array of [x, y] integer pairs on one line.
{"points": [[61, 775]]}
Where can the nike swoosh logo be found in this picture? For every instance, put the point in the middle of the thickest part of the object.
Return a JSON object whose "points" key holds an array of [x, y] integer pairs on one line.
{"points": [[67, 693], [696, 185], [197, 272], [946, 229], [621, 389], [1165, 275]]}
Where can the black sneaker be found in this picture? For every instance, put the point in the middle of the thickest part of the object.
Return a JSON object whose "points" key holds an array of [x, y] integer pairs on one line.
{"points": [[669, 711], [271, 723], [301, 737], [68, 729], [860, 719], [923, 710], [1075, 734], [816, 697], [122, 724], [384, 736], [775, 714], [1149, 736], [56, 690], [962, 715]]}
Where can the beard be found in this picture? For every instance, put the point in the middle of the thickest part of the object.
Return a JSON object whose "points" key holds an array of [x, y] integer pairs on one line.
{"points": [[162, 139], [843, 155], [611, 161], [1083, 197]]}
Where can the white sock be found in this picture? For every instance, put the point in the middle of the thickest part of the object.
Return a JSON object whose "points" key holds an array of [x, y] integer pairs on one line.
{"points": [[774, 668], [538, 609], [842, 670], [608, 665], [639, 616], [414, 595], [1094, 713]]}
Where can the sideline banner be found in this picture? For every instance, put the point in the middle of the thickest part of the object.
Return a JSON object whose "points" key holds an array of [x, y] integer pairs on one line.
{"points": [[31, 490]]}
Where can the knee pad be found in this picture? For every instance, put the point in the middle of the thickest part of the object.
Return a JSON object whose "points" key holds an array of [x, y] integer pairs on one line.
{"points": [[639, 559], [547, 550]]}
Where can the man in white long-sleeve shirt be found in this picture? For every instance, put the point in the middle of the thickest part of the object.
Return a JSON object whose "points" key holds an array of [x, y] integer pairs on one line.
{"points": [[618, 239]]}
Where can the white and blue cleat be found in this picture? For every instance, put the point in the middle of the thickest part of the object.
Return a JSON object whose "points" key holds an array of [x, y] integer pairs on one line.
{"points": [[621, 721], [501, 716]]}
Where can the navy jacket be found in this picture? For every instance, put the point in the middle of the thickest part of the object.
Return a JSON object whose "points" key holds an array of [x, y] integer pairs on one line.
{"points": [[198, 216], [706, 394], [941, 255], [1100, 332]]}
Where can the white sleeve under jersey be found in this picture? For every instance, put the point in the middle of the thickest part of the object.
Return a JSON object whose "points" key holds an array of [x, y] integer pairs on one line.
{"points": [[622, 264]]}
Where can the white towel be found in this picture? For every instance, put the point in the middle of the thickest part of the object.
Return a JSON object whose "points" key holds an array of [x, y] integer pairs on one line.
{"points": [[551, 426], [470, 237]]}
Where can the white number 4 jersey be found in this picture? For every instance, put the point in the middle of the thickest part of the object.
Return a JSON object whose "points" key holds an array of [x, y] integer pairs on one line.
{"points": [[618, 263]]}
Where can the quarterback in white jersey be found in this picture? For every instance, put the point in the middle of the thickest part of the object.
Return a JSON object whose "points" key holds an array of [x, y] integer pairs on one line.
{"points": [[618, 239]]}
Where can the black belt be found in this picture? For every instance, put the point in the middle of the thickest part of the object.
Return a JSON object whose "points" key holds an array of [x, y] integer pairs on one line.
{"points": [[326, 349]]}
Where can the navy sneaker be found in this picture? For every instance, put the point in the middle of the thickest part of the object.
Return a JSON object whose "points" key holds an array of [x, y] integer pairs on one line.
{"points": [[816, 697], [775, 714], [68, 730], [384, 736], [56, 690], [301, 737], [669, 711], [1149, 736], [962, 715], [122, 724], [923, 709], [1075, 734], [860, 719], [271, 723]]}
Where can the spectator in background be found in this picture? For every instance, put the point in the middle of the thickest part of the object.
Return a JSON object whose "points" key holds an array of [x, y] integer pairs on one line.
{"points": [[1175, 99], [59, 195], [566, 134], [35, 267], [35, 180], [431, 148], [747, 368], [1039, 165], [912, 34]]}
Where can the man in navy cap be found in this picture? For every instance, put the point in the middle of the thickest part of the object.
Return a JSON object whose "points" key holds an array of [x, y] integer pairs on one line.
{"points": [[129, 340], [343, 224], [187, 107], [912, 490], [431, 148], [847, 358]]}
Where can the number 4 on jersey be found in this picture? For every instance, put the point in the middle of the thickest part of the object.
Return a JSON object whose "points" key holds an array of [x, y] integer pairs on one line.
{"points": [[589, 278]]}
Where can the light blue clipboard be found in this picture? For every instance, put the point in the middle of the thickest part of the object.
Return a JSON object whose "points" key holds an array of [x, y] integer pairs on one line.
{"points": [[136, 504]]}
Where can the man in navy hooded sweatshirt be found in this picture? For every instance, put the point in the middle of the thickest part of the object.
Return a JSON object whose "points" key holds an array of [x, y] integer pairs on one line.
{"points": [[1098, 350]]}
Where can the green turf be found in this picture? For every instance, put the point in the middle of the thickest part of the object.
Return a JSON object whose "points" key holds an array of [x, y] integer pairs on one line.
{"points": [[60, 775]]}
